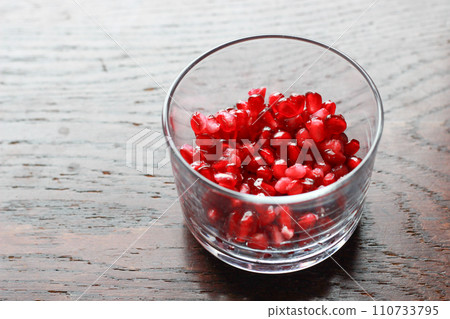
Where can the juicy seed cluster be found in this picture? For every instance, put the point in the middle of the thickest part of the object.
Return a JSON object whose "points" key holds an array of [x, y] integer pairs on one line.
{"points": [[291, 145]]}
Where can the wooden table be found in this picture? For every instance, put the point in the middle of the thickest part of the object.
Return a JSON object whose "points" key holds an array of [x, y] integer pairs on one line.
{"points": [[70, 97]]}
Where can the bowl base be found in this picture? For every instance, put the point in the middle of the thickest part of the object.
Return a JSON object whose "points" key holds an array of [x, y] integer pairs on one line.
{"points": [[280, 266]]}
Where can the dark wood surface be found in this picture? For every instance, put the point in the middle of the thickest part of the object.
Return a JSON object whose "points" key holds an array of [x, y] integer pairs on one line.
{"points": [[70, 98]]}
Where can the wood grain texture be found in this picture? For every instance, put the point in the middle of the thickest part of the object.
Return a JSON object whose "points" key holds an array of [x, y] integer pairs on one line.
{"points": [[70, 98]]}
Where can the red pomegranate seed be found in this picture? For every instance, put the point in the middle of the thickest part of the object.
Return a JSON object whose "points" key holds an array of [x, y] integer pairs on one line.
{"points": [[187, 151], [214, 215], [242, 119], [261, 91], [295, 188], [258, 241], [308, 184], [330, 107], [321, 114], [280, 139], [313, 102], [267, 216], [265, 173], [287, 108], [247, 226], [287, 233], [292, 124], [267, 155], [333, 158], [301, 136], [212, 126], [333, 144], [245, 189], [282, 184], [270, 120], [307, 221], [262, 187], [298, 100], [226, 180], [233, 224], [317, 174], [339, 171], [296, 171], [316, 129], [293, 153], [351, 148], [227, 121], [255, 104], [207, 172], [335, 124], [330, 178], [276, 238], [279, 168], [274, 98], [198, 122], [353, 161], [326, 168], [241, 105]]}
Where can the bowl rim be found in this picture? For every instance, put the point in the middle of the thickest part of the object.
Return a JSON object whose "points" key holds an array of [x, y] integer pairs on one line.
{"points": [[274, 200]]}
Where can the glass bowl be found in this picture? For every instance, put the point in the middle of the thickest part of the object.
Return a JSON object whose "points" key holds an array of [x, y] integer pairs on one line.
{"points": [[217, 80]]}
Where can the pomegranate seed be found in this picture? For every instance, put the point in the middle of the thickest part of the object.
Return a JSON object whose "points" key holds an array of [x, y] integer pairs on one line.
{"points": [[293, 123], [308, 184], [270, 120], [335, 124], [274, 98], [279, 168], [313, 102], [351, 148], [353, 161], [198, 122], [284, 216], [326, 168], [267, 156], [295, 188], [330, 178], [227, 121], [333, 158], [298, 100], [265, 173], [255, 104], [287, 233], [296, 171], [275, 236], [245, 189], [267, 216], [261, 91], [333, 144], [258, 241], [241, 105], [233, 224], [226, 180], [282, 184], [187, 152], [213, 215], [293, 153], [307, 221], [317, 174], [316, 129], [247, 226], [207, 172], [339, 171], [301, 136], [330, 107], [287, 108], [321, 114], [212, 126]]}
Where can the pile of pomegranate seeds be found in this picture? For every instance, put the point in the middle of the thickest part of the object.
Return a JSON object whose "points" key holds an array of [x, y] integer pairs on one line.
{"points": [[289, 146], [292, 145]]}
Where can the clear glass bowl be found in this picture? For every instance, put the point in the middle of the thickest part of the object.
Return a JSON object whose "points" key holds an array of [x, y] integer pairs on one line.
{"points": [[222, 76]]}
